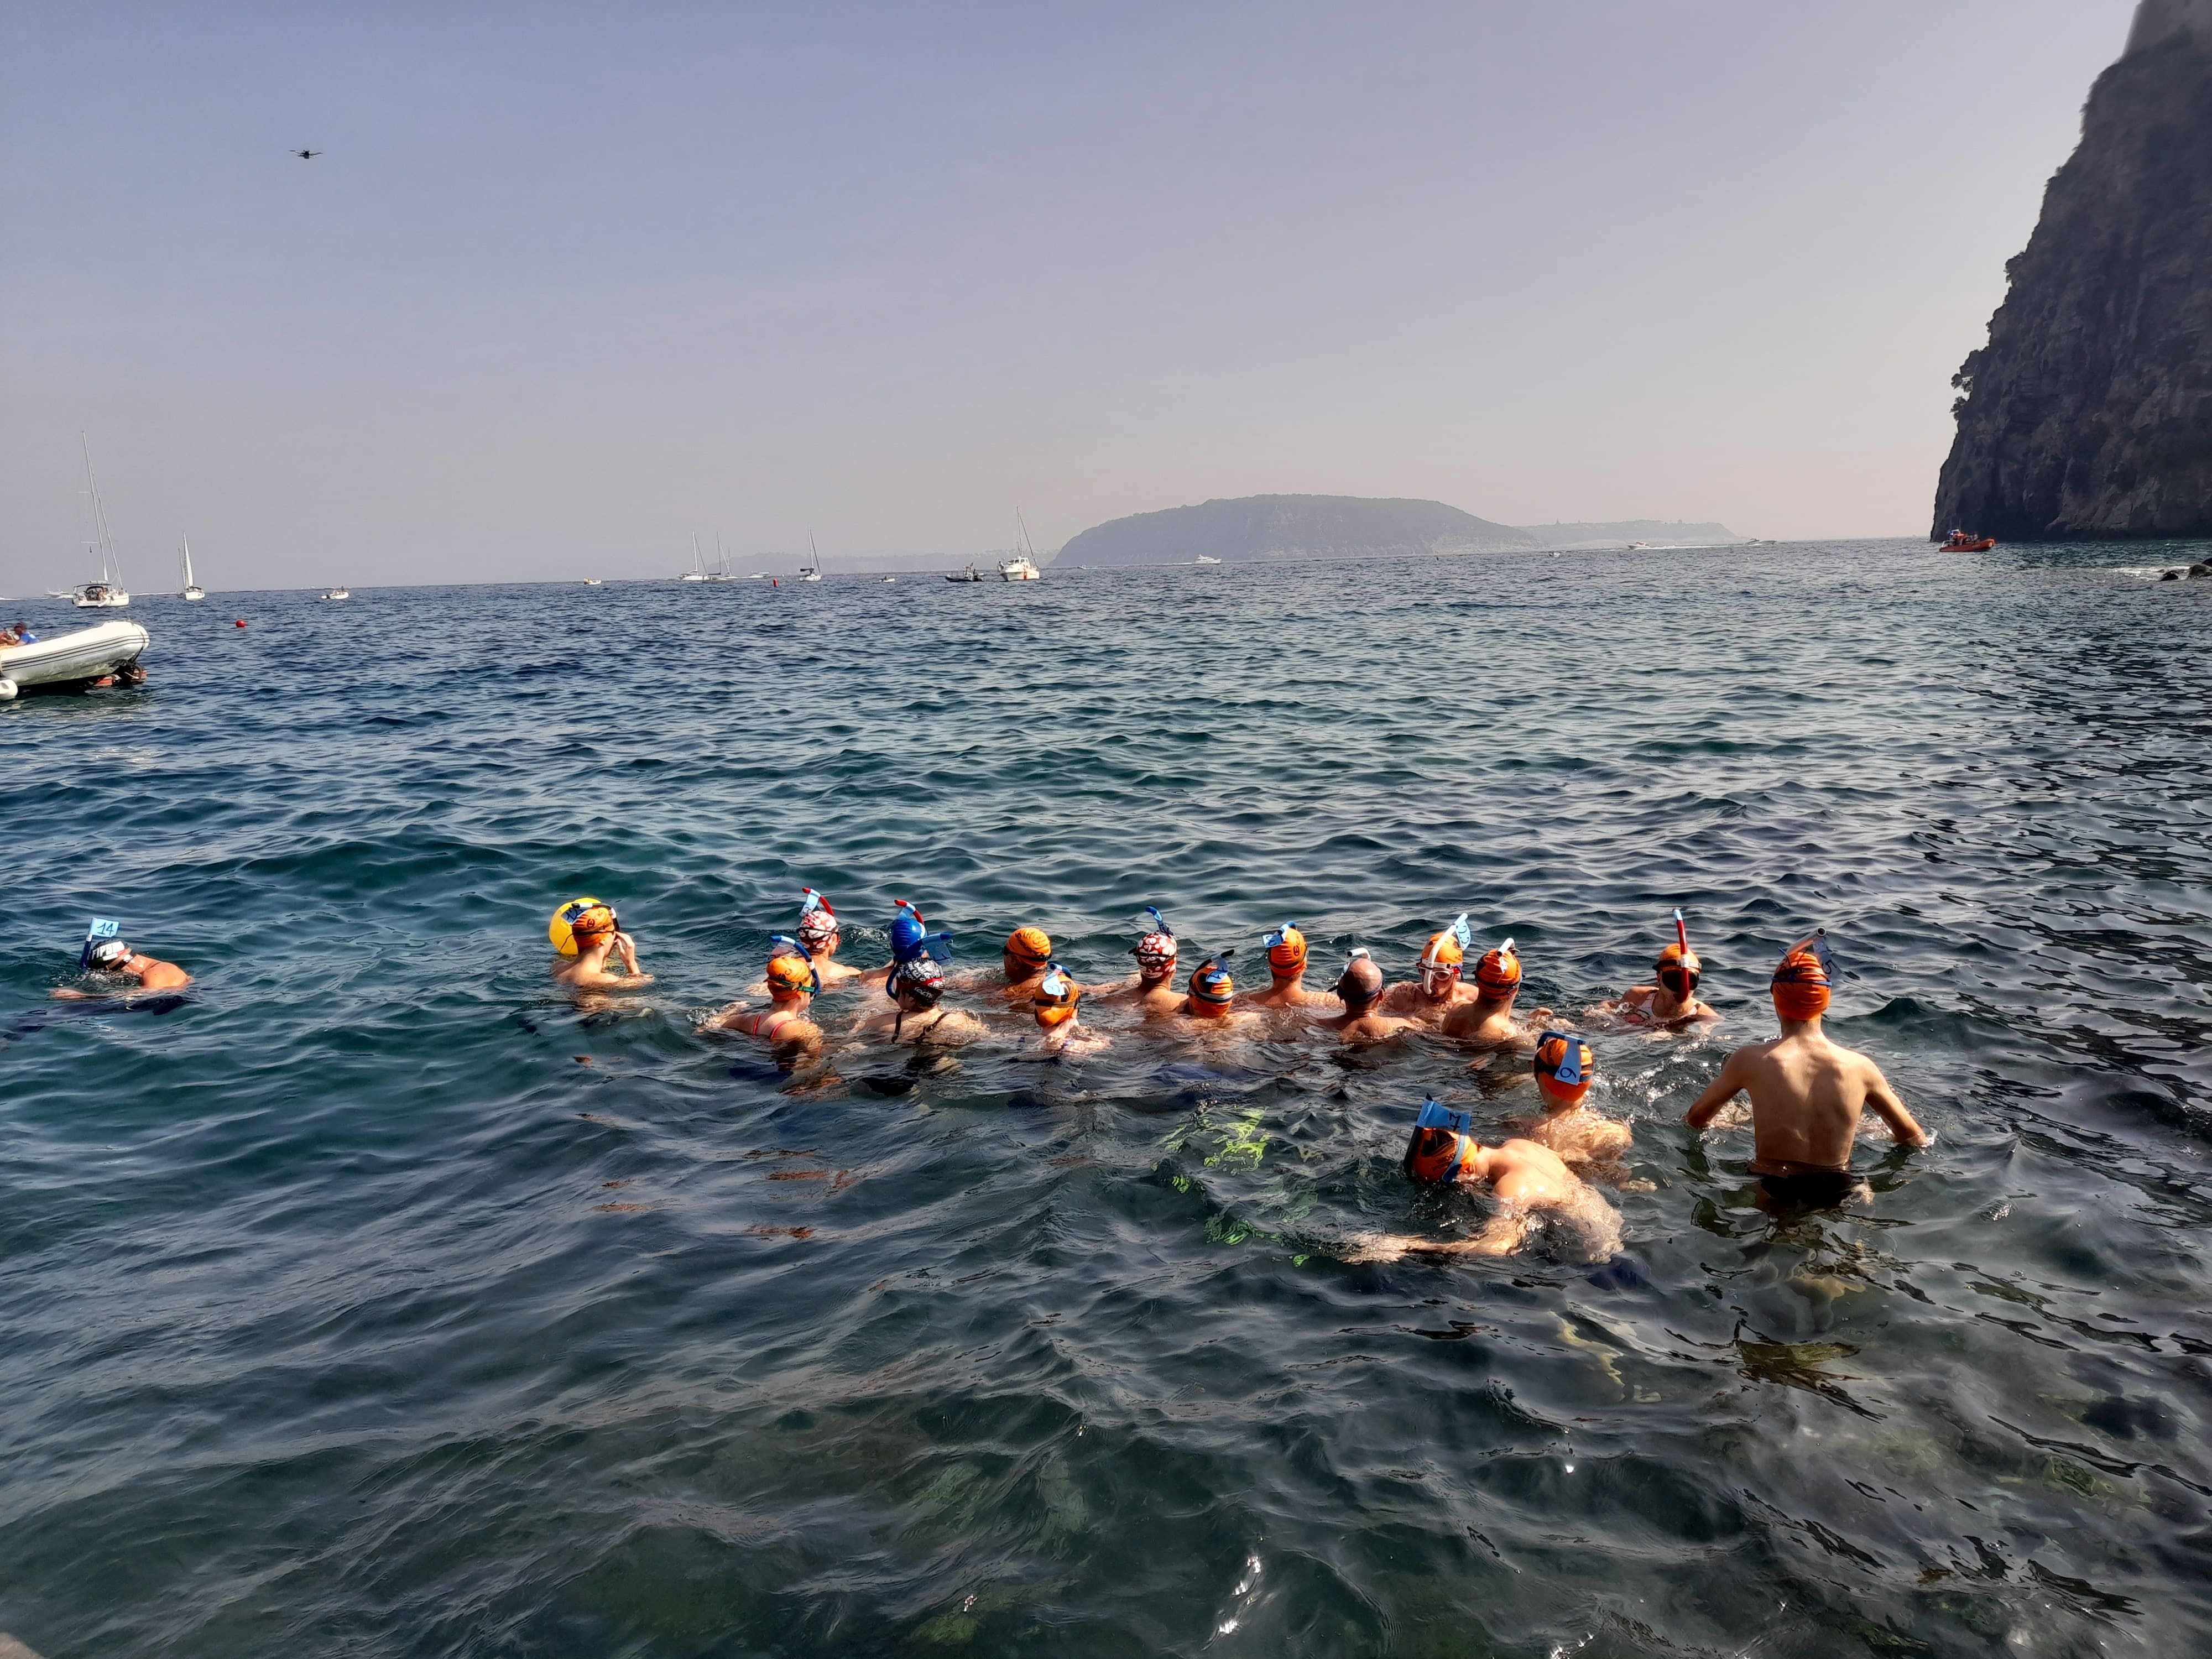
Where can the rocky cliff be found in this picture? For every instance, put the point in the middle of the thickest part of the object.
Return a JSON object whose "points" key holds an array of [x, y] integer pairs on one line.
{"points": [[2088, 415], [1290, 527]]}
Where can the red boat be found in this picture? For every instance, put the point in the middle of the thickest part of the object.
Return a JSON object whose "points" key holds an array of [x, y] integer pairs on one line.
{"points": [[1960, 541]]}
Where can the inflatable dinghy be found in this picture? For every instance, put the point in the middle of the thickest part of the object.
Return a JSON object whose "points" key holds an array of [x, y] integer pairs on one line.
{"points": [[70, 662]]}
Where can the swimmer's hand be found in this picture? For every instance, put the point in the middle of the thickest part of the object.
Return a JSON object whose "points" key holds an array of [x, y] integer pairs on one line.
{"points": [[70, 994]]}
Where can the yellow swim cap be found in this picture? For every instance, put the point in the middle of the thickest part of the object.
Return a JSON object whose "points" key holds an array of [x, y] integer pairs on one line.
{"points": [[590, 917]]}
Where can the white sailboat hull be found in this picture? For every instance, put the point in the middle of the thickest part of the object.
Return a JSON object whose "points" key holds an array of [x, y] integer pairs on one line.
{"points": [[87, 654], [192, 593]]}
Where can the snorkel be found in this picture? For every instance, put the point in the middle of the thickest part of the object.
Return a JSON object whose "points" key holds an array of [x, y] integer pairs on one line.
{"points": [[1497, 976], [1678, 968], [1286, 952], [1055, 998], [1443, 958], [1440, 1143], [1212, 990], [1802, 982], [911, 939], [1564, 1065], [100, 947], [786, 955], [817, 922], [1156, 950]]}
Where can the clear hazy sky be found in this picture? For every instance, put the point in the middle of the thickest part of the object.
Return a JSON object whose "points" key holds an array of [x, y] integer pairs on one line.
{"points": [[575, 282]]}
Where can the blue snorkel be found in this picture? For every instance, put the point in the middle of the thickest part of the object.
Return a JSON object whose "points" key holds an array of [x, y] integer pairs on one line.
{"points": [[1435, 1114], [100, 928], [1463, 932], [791, 947]]}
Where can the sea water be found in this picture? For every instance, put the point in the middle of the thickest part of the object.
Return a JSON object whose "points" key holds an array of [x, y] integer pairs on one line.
{"points": [[379, 1301]]}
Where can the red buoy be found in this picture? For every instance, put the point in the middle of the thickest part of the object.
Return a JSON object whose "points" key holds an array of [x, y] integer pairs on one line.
{"points": [[239, 623]]}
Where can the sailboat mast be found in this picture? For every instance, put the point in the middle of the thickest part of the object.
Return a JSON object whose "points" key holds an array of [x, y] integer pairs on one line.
{"points": [[188, 560], [101, 539]]}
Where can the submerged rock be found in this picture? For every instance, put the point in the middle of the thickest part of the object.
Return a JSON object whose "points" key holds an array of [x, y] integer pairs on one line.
{"points": [[2088, 415]]}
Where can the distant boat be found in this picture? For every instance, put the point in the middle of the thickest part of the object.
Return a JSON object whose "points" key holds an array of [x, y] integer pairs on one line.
{"points": [[970, 574], [759, 576], [593, 581], [192, 590], [1960, 541], [890, 579], [108, 594], [337, 592], [697, 573], [1638, 547], [721, 571], [811, 573], [1202, 559], [1023, 567]]}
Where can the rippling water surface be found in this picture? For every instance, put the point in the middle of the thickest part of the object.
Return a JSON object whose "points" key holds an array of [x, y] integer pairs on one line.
{"points": [[348, 1314]]}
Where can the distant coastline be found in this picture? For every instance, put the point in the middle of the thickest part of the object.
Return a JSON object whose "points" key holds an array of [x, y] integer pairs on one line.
{"points": [[1273, 528]]}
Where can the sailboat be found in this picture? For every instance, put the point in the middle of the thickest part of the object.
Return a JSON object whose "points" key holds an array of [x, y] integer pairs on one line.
{"points": [[811, 573], [721, 571], [1023, 567], [192, 590], [108, 594], [697, 573]]}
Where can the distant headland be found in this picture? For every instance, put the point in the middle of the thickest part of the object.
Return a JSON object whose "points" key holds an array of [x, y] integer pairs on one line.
{"points": [[1282, 527]]}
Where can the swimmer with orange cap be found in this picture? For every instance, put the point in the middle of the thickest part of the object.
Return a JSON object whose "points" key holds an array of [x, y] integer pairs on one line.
{"points": [[1026, 957], [818, 936], [783, 1025], [1438, 990], [1672, 1001], [1359, 986], [1211, 999], [1151, 988], [916, 1014], [1807, 1093], [1488, 1020], [1535, 1188], [1054, 1008], [1286, 972], [1565, 1069], [588, 932]]}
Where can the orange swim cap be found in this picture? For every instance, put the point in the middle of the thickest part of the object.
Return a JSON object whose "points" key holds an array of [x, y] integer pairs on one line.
{"points": [[1499, 970], [1056, 997], [1030, 944], [1565, 1066], [1442, 951], [1209, 982], [1801, 985], [1678, 962], [790, 974], [1440, 1146], [1286, 949]]}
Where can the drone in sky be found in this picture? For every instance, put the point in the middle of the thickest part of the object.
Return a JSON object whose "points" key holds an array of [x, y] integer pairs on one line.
{"points": [[306, 155]]}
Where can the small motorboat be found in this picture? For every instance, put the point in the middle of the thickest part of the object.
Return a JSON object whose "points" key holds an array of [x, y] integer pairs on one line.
{"points": [[594, 581], [1205, 559], [74, 661], [338, 592], [970, 574], [1019, 569], [1959, 542]]}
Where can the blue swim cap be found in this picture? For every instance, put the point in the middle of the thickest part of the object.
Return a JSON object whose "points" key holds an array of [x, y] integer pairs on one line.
{"points": [[907, 931]]}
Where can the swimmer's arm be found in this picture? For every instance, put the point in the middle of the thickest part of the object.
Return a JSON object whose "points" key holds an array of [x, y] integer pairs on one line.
{"points": [[1721, 1091], [1891, 1110], [70, 994]]}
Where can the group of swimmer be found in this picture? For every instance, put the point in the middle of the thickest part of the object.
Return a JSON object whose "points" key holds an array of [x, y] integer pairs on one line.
{"points": [[1808, 1093]]}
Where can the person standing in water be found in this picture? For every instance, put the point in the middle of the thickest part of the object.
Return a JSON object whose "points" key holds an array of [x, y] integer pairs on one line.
{"points": [[1807, 1093], [916, 988], [1488, 1021], [1532, 1184], [1152, 987], [590, 931], [1359, 986], [1672, 1001], [1286, 970], [114, 956], [783, 1025], [1430, 997]]}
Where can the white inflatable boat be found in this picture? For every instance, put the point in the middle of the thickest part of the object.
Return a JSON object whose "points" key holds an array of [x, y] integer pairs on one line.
{"points": [[70, 662]]}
